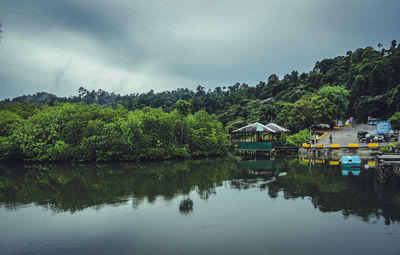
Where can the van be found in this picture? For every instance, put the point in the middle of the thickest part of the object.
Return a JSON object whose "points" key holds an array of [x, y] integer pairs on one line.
{"points": [[372, 121]]}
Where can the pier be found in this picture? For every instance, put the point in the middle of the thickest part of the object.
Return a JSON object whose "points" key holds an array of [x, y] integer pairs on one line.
{"points": [[388, 168]]}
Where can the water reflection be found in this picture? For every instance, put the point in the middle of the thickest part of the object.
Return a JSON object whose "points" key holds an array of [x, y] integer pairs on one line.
{"points": [[186, 206], [73, 188], [351, 171], [358, 194], [76, 187]]}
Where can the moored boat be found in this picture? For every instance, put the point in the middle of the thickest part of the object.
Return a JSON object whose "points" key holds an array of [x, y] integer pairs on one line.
{"points": [[351, 161]]}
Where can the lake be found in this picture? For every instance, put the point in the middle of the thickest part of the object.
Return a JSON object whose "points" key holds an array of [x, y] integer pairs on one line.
{"points": [[208, 206]]}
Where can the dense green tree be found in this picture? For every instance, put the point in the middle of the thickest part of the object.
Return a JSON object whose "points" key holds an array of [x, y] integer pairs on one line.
{"points": [[370, 106], [9, 121], [339, 96], [395, 121], [298, 138], [206, 135], [307, 111], [273, 78], [393, 99], [184, 108]]}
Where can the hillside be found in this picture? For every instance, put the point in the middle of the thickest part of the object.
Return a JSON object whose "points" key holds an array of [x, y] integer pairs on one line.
{"points": [[362, 83]]}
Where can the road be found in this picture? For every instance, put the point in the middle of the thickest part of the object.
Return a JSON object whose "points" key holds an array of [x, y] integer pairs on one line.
{"points": [[348, 134]]}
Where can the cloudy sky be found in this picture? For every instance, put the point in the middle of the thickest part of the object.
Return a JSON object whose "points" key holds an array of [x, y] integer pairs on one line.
{"points": [[134, 46]]}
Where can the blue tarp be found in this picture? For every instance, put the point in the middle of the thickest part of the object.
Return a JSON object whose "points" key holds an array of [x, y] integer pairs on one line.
{"points": [[383, 127]]}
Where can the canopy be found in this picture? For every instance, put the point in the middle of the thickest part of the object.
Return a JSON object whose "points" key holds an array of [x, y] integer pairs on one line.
{"points": [[277, 128], [254, 128]]}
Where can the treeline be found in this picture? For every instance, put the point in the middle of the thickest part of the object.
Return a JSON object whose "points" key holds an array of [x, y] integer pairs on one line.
{"points": [[362, 83], [78, 132], [64, 187]]}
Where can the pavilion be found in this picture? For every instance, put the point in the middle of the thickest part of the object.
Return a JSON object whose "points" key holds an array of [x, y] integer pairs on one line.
{"points": [[259, 137]]}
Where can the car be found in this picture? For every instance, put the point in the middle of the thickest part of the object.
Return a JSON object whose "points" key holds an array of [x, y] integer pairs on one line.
{"points": [[322, 127], [372, 121], [361, 135], [377, 138], [339, 123], [391, 137]]}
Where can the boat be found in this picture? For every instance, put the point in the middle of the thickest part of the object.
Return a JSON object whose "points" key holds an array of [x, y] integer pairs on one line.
{"points": [[351, 165], [351, 161]]}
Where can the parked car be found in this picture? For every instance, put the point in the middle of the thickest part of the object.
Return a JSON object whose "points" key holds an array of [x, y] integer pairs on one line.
{"points": [[361, 135], [322, 127], [377, 138], [391, 137], [338, 123], [372, 121]]}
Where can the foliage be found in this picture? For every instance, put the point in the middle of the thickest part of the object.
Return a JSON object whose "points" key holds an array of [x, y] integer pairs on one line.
{"points": [[8, 122], [395, 121], [385, 149], [206, 135], [78, 132], [183, 107], [389, 148], [338, 95], [307, 111], [298, 138]]}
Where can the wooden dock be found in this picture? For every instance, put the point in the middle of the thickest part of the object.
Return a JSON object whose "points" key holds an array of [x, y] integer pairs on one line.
{"points": [[341, 146], [389, 157], [388, 169]]}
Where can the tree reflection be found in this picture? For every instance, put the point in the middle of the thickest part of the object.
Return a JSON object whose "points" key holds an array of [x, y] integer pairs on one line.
{"points": [[75, 187], [329, 191], [186, 206]]}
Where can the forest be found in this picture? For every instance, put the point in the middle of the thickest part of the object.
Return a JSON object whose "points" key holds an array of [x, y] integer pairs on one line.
{"points": [[102, 126], [81, 133]]}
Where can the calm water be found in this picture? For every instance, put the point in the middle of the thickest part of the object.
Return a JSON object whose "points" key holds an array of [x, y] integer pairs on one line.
{"points": [[218, 206]]}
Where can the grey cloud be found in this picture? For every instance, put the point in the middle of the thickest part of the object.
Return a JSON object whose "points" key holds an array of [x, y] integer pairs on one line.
{"points": [[135, 46], [60, 72]]}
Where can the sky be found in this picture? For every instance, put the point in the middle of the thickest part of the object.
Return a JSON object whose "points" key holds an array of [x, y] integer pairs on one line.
{"points": [[133, 46]]}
